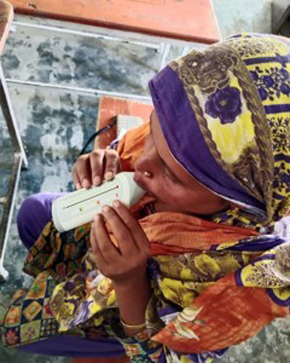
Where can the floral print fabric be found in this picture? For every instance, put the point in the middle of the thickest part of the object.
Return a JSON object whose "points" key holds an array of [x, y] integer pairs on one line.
{"points": [[215, 283]]}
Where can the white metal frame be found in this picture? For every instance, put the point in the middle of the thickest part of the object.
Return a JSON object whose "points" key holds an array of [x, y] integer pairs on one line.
{"points": [[20, 160]]}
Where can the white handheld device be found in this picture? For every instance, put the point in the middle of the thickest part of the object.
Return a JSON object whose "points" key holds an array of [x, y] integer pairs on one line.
{"points": [[80, 207]]}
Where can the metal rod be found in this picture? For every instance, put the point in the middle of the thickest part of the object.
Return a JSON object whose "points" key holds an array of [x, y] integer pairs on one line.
{"points": [[10, 118], [79, 90], [126, 36], [8, 211], [83, 34]]}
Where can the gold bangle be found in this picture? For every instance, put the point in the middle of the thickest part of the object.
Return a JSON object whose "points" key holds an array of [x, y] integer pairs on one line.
{"points": [[130, 326]]}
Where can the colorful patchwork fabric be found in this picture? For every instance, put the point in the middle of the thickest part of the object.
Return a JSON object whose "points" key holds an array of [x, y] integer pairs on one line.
{"points": [[29, 317], [53, 258], [215, 283]]}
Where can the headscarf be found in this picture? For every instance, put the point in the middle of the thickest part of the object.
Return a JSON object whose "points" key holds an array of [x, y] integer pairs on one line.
{"points": [[225, 115], [224, 112]]}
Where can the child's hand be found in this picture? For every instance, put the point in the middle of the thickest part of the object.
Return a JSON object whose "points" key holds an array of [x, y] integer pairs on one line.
{"points": [[90, 169], [127, 264]]}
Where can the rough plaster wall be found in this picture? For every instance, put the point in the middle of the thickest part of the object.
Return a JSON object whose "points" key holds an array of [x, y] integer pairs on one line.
{"points": [[235, 16]]}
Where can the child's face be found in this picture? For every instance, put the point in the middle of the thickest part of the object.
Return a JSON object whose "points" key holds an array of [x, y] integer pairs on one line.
{"points": [[170, 182]]}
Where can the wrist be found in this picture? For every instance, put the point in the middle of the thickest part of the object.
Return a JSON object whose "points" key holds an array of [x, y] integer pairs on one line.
{"points": [[132, 301], [132, 284]]}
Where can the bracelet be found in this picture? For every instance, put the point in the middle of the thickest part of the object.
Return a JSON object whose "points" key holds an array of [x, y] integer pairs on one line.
{"points": [[131, 326]]}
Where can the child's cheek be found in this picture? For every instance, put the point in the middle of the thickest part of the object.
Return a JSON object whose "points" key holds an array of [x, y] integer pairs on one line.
{"points": [[167, 192]]}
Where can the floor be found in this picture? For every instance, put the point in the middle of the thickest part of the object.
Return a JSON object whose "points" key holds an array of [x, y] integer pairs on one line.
{"points": [[53, 76]]}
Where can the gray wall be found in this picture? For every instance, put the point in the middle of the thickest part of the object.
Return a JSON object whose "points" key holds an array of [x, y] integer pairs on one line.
{"points": [[236, 16]]}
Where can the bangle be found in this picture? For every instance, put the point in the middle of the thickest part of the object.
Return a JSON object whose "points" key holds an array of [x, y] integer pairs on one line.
{"points": [[135, 326]]}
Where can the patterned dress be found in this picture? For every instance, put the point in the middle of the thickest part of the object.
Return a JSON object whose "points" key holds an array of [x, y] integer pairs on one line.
{"points": [[224, 112]]}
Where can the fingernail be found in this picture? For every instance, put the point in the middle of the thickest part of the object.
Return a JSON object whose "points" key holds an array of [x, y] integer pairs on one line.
{"points": [[117, 203], [106, 209], [97, 180], [78, 186], [86, 183], [109, 175]]}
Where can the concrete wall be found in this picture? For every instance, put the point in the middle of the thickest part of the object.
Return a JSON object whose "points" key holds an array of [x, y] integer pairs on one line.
{"points": [[235, 16]]}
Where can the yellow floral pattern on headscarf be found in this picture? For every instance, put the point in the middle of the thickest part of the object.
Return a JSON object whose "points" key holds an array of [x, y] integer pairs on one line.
{"points": [[239, 91]]}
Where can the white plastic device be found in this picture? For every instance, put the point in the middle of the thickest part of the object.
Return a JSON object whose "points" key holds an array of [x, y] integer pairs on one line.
{"points": [[80, 207]]}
